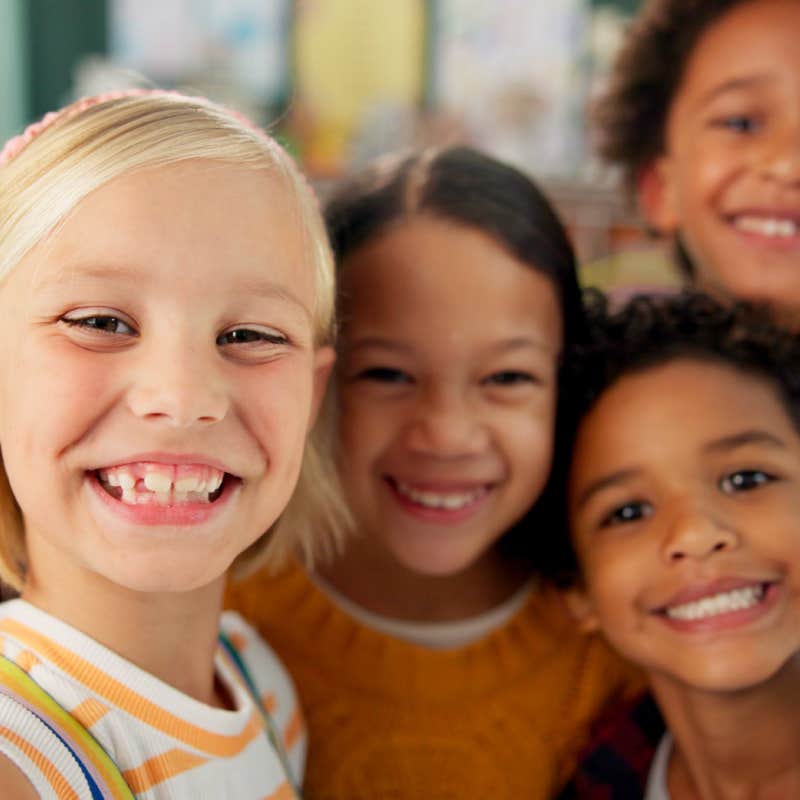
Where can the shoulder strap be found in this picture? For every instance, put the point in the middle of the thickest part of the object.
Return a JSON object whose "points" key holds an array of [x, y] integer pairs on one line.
{"points": [[101, 773], [272, 730]]}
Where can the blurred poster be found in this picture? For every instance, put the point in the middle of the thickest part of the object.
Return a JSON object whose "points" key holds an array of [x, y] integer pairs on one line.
{"points": [[514, 72], [238, 45], [359, 78]]}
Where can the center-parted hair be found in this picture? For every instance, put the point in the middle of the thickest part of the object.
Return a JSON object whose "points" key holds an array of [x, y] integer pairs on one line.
{"points": [[653, 331], [468, 188]]}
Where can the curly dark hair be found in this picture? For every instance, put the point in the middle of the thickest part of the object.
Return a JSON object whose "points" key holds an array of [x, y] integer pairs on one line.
{"points": [[651, 331], [631, 115]]}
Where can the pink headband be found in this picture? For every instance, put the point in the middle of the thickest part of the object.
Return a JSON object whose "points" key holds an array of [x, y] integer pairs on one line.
{"points": [[18, 143]]}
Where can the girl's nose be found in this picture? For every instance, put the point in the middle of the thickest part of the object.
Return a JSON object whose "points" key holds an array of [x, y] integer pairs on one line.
{"points": [[697, 534], [178, 385], [444, 424], [781, 156]]}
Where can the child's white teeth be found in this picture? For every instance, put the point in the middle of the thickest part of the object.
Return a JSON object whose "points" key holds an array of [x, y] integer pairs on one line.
{"points": [[768, 226], [189, 483], [451, 501], [722, 603], [158, 482], [142, 484]]}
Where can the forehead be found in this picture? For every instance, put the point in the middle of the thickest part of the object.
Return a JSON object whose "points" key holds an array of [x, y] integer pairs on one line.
{"points": [[757, 38], [186, 220], [667, 412], [433, 277]]}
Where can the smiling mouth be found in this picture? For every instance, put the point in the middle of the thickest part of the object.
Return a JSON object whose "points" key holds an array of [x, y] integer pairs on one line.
{"points": [[739, 599], [771, 227], [163, 484], [440, 499]]}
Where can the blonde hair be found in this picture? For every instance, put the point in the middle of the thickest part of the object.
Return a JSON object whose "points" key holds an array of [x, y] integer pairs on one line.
{"points": [[49, 170]]}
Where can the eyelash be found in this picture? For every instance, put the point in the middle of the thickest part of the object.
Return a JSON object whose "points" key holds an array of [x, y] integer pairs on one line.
{"points": [[759, 477], [384, 375], [92, 323], [510, 377], [737, 123], [618, 515], [621, 515]]}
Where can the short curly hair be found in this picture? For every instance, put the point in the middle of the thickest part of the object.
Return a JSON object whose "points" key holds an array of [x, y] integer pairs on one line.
{"points": [[630, 116], [651, 331]]}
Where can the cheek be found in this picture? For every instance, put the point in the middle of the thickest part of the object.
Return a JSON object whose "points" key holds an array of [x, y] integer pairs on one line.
{"points": [[529, 440]]}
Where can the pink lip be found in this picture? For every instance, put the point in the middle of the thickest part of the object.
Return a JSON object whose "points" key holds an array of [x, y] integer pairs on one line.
{"points": [[153, 515], [446, 516], [168, 458]]}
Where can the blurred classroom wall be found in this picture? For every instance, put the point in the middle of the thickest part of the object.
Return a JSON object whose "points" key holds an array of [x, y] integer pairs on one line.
{"points": [[343, 81]]}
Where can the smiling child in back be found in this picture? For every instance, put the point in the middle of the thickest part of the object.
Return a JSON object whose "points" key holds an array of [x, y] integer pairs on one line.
{"points": [[165, 305], [703, 115], [684, 499]]}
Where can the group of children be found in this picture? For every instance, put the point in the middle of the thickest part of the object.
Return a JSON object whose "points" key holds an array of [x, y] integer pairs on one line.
{"points": [[504, 485]]}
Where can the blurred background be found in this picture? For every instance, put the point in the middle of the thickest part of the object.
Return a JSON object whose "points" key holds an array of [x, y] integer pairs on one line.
{"points": [[343, 81]]}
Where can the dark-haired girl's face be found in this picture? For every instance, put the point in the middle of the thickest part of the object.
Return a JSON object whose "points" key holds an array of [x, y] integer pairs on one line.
{"points": [[447, 392]]}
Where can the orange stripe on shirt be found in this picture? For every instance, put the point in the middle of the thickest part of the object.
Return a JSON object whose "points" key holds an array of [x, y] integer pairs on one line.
{"points": [[132, 703], [55, 778], [26, 660], [161, 768], [294, 729], [89, 711], [284, 792]]}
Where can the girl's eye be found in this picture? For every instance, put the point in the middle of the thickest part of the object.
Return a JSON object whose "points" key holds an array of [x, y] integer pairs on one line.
{"points": [[249, 336], [383, 375], [738, 123], [102, 323], [627, 513], [745, 480], [509, 377]]}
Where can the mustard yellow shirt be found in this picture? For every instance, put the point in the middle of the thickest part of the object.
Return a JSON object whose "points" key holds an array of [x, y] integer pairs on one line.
{"points": [[502, 718]]}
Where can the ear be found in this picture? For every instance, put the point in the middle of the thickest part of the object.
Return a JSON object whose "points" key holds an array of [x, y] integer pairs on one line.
{"points": [[655, 191], [323, 364], [582, 609]]}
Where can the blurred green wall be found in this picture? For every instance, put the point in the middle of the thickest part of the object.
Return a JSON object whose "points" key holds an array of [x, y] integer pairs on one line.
{"points": [[14, 76], [59, 33]]}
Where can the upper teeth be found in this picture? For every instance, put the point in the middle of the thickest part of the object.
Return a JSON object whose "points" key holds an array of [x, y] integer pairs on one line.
{"points": [[721, 603], [767, 226], [148, 483], [450, 500]]}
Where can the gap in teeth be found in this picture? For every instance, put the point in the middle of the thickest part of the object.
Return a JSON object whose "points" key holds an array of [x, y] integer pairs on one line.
{"points": [[722, 603], [450, 501], [161, 484]]}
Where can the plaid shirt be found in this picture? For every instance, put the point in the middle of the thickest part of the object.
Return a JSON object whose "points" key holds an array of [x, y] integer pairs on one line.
{"points": [[616, 763]]}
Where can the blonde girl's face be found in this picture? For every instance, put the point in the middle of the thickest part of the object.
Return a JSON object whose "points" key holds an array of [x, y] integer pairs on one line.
{"points": [[447, 392], [158, 376]]}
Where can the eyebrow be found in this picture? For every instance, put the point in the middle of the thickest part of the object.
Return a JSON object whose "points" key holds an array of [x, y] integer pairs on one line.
{"points": [[130, 274], [505, 346], [734, 84], [753, 436], [605, 482], [722, 445]]}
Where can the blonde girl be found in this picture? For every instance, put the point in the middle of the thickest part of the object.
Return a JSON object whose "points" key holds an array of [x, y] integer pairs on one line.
{"points": [[166, 304]]}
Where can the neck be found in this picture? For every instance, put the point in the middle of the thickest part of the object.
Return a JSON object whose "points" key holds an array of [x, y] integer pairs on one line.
{"points": [[370, 577], [741, 744], [171, 635]]}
